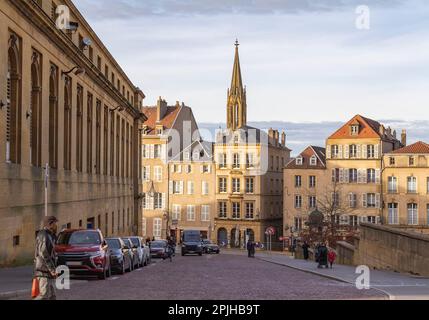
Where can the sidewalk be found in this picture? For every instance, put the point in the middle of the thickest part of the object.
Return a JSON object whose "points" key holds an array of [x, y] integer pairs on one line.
{"points": [[397, 286], [15, 282]]}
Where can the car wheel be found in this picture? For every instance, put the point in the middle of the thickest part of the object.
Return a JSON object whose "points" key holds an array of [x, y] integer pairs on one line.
{"points": [[103, 276], [200, 254]]}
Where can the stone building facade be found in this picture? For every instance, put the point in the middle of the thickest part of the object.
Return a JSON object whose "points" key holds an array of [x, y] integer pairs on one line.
{"points": [[67, 103], [406, 188], [192, 191], [249, 178], [167, 131], [305, 179]]}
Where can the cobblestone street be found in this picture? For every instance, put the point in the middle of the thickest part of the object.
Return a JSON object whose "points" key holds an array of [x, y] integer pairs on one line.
{"points": [[217, 277]]}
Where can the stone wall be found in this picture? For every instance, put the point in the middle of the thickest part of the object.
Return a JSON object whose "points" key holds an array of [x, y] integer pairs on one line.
{"points": [[393, 249], [346, 253]]}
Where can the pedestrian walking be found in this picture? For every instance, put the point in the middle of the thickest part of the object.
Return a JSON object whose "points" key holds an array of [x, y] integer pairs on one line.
{"points": [[317, 252], [44, 260], [332, 256], [305, 249], [323, 256], [249, 248], [253, 251]]}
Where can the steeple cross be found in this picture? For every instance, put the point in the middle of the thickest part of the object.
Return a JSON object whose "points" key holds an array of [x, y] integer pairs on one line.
{"points": [[237, 43]]}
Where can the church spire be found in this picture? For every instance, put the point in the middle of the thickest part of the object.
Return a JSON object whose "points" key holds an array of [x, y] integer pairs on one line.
{"points": [[237, 107], [237, 82]]}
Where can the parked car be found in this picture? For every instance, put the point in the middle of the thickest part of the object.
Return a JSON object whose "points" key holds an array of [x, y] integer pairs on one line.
{"points": [[210, 247], [84, 252], [158, 249], [133, 253], [142, 249], [191, 242], [120, 256]]}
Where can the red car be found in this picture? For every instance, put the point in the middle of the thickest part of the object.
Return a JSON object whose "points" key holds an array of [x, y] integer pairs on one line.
{"points": [[84, 252]]}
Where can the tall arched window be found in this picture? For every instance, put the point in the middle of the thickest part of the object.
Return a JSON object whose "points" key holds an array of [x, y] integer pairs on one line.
{"points": [[13, 108], [67, 123], [79, 129], [53, 117], [35, 113]]}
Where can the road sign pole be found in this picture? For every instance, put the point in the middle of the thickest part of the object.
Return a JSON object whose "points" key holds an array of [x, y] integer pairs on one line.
{"points": [[46, 188]]}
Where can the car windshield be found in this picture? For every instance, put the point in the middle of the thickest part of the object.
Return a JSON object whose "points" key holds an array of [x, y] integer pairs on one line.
{"points": [[157, 244], [127, 243], [79, 238], [191, 237], [114, 243], [135, 241]]}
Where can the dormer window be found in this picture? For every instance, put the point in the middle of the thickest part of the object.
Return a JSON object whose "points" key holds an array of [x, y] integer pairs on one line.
{"points": [[196, 156], [354, 129], [145, 130], [313, 161], [299, 161], [187, 156], [159, 130]]}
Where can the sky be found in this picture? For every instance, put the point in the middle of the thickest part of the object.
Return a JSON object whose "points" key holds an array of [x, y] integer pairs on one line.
{"points": [[303, 61]]}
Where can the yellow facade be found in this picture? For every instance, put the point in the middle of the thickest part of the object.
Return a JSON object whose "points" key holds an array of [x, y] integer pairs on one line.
{"points": [[406, 190], [60, 107]]}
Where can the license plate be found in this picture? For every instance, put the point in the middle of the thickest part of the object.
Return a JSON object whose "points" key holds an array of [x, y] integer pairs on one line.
{"points": [[74, 263]]}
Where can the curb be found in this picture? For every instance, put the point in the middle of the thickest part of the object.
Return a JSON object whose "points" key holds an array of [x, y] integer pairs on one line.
{"points": [[14, 294], [390, 296]]}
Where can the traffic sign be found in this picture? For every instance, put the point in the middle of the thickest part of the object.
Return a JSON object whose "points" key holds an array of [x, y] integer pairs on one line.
{"points": [[271, 231]]}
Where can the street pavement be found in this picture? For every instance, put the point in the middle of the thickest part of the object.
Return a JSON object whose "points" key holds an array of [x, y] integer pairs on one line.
{"points": [[397, 286], [216, 277]]}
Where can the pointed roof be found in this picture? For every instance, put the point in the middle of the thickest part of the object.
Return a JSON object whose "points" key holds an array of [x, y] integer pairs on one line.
{"points": [[419, 147], [306, 155], [237, 81], [368, 129]]}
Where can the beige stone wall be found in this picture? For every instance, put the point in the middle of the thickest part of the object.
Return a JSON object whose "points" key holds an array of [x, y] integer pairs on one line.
{"points": [[391, 249], [401, 170], [267, 196], [290, 191], [196, 198], [74, 195]]}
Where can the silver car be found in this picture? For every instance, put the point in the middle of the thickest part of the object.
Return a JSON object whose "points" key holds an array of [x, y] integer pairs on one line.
{"points": [[143, 251]]}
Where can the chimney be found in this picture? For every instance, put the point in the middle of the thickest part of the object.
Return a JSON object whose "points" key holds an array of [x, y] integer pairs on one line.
{"points": [[382, 130], [394, 134], [283, 139], [404, 137], [161, 109]]}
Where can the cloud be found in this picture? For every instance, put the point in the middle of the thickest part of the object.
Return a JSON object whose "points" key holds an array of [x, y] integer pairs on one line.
{"points": [[301, 135], [118, 9]]}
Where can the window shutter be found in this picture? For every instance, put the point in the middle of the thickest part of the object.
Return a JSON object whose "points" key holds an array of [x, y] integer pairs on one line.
{"points": [[201, 169], [364, 151], [377, 151], [340, 151], [377, 176], [359, 151], [164, 152], [151, 203], [148, 173], [333, 175], [209, 168], [152, 151], [364, 200], [377, 200], [163, 201], [346, 175], [364, 175], [341, 175], [170, 187], [346, 151], [181, 187], [179, 168], [328, 151]]}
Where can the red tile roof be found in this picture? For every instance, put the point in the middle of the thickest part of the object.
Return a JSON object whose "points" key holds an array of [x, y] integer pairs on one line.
{"points": [[167, 121], [306, 155], [416, 148], [368, 129]]}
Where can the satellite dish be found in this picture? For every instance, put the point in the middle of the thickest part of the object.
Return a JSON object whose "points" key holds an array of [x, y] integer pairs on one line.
{"points": [[86, 42]]}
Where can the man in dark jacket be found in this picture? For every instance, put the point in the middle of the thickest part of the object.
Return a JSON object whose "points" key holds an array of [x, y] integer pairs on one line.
{"points": [[249, 248], [44, 261], [305, 249]]}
